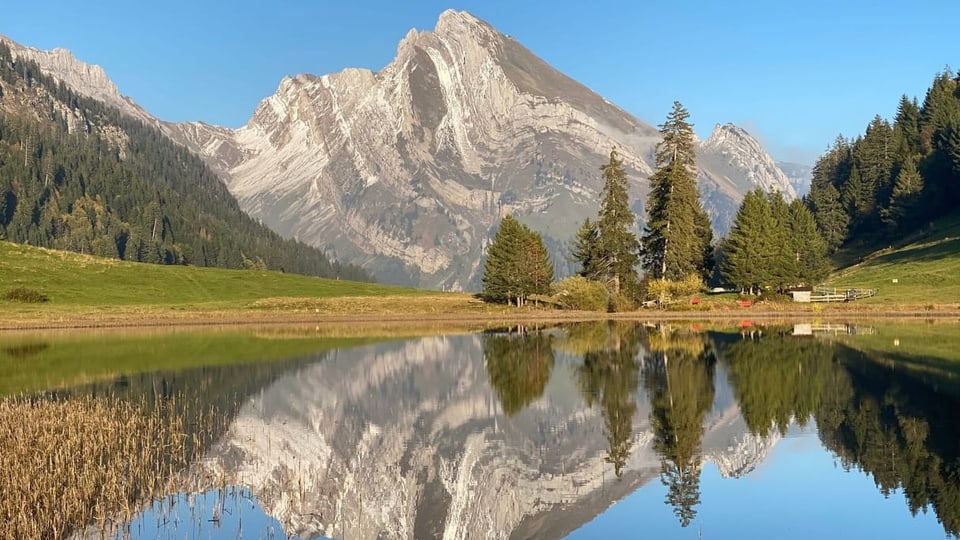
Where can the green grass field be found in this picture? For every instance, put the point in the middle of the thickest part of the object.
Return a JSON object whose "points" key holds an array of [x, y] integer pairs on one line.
{"points": [[73, 279], [924, 271]]}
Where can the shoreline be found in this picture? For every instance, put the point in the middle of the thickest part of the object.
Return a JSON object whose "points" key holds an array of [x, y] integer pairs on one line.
{"points": [[174, 318]]}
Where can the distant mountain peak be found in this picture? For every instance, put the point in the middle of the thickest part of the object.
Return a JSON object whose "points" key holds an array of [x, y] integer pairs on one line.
{"points": [[741, 159]]}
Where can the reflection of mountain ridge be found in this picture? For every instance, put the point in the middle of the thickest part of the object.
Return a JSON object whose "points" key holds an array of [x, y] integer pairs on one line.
{"points": [[408, 439]]}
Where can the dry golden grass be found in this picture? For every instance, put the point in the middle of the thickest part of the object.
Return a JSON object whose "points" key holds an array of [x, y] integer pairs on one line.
{"points": [[88, 462]]}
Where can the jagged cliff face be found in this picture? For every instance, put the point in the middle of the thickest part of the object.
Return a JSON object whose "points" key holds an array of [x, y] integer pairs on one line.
{"points": [[407, 170], [408, 440]]}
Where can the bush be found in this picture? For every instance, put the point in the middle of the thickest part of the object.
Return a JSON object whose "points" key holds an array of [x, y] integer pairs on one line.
{"points": [[25, 295], [664, 291], [578, 292]]}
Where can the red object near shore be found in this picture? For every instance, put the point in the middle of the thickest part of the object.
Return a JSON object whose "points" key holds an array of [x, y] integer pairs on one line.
{"points": [[695, 301], [745, 303]]}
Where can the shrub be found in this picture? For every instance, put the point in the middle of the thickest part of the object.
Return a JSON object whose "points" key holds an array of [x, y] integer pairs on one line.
{"points": [[578, 292], [665, 290], [25, 295]]}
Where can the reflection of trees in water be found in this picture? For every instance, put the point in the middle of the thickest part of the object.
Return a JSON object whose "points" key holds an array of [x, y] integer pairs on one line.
{"points": [[777, 379], [518, 366], [875, 415], [609, 376], [678, 375], [901, 431]]}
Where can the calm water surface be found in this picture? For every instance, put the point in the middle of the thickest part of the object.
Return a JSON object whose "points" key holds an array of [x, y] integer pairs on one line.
{"points": [[595, 430]]}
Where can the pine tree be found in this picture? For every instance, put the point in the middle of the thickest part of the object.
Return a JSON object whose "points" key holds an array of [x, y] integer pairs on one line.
{"points": [[824, 199], [905, 198], [675, 242], [748, 249], [585, 250], [906, 127], [617, 245], [812, 265], [517, 264], [782, 258]]}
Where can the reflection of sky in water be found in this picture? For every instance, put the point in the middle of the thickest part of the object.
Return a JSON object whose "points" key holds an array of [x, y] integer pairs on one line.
{"points": [[233, 513], [800, 491]]}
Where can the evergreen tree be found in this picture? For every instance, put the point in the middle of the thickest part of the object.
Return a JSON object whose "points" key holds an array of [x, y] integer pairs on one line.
{"points": [[824, 200], [812, 265], [906, 128], [616, 245], [900, 214], [830, 217], [517, 264], [749, 248], [675, 242], [782, 257], [586, 251]]}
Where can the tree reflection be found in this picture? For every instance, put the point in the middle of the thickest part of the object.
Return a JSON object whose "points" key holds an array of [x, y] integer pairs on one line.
{"points": [[609, 376], [878, 413], [900, 429], [777, 378], [518, 365], [678, 375]]}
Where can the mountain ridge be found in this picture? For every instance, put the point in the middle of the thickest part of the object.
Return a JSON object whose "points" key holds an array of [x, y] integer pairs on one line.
{"points": [[407, 170]]}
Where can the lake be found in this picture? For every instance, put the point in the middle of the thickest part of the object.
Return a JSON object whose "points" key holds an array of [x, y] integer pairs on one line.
{"points": [[586, 430]]}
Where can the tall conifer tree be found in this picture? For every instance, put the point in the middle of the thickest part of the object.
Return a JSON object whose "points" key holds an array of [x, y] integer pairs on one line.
{"points": [[617, 245], [675, 242]]}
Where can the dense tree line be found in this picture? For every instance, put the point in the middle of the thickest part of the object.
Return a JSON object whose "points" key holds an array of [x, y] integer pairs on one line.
{"points": [[76, 174], [895, 178], [773, 244]]}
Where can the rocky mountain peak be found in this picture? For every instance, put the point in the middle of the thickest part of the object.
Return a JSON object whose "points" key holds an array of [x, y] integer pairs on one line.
{"points": [[87, 79], [731, 153], [408, 170], [729, 134], [457, 23]]}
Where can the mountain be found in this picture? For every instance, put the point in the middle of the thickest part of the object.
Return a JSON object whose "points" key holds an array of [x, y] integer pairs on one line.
{"points": [[735, 162], [407, 170], [78, 174], [800, 176]]}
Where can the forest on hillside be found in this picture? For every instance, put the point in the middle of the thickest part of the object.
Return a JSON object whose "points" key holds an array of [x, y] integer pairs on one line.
{"points": [[894, 179], [76, 174]]}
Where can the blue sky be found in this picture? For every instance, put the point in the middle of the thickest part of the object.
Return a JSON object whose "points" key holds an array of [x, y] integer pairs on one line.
{"points": [[795, 73]]}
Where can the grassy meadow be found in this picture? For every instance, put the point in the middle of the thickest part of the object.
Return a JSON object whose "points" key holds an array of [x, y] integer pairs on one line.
{"points": [[57, 288], [924, 270], [90, 291]]}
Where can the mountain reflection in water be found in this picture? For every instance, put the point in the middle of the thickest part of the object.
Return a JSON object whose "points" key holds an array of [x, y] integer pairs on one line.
{"points": [[534, 433]]}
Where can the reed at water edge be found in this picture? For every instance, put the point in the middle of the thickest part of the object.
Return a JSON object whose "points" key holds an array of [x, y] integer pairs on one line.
{"points": [[87, 464]]}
